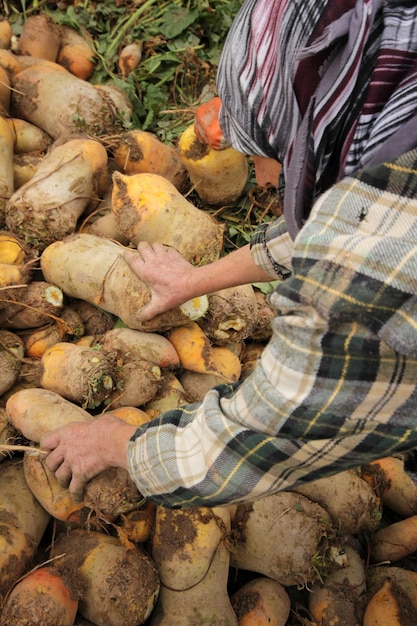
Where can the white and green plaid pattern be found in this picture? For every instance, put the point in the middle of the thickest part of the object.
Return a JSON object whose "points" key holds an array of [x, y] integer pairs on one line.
{"points": [[336, 385]]}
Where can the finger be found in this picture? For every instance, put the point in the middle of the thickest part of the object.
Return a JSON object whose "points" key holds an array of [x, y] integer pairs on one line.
{"points": [[144, 249], [49, 441], [76, 488], [149, 250], [53, 460], [64, 474], [131, 257], [143, 245], [148, 312]]}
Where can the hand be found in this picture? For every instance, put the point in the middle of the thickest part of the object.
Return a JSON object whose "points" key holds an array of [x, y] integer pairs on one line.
{"points": [[166, 273], [81, 450]]}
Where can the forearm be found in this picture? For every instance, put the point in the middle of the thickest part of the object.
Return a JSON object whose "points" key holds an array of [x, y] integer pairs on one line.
{"points": [[266, 258], [236, 268], [282, 426], [336, 385], [112, 439]]}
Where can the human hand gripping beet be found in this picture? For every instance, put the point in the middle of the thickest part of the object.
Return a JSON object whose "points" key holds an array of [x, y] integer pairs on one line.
{"points": [[79, 451], [166, 273], [172, 280]]}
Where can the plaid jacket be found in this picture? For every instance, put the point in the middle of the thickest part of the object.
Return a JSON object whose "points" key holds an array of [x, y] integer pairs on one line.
{"points": [[335, 386]]}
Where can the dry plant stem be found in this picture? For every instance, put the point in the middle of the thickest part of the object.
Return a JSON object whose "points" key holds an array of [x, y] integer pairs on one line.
{"points": [[4, 447]]}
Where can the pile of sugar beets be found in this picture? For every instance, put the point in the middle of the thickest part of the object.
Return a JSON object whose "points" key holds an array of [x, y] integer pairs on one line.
{"points": [[337, 551]]}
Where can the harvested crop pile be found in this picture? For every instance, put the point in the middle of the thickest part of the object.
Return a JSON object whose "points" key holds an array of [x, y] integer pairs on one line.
{"points": [[94, 99]]}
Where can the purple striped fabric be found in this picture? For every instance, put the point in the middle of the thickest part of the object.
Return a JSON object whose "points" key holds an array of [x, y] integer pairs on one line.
{"points": [[326, 87]]}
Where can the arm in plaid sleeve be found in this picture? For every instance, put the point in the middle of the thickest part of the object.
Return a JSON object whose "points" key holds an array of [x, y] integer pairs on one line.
{"points": [[336, 385]]}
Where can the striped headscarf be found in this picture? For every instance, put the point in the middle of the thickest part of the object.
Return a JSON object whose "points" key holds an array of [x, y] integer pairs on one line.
{"points": [[327, 87]]}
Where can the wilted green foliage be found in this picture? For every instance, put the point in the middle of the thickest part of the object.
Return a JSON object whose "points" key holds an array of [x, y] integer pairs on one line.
{"points": [[181, 46], [181, 42]]}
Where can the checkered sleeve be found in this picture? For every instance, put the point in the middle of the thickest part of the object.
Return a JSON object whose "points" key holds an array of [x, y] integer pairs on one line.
{"points": [[336, 385], [271, 248]]}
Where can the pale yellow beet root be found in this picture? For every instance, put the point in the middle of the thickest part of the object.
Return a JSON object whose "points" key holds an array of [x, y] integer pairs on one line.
{"points": [[6, 166], [131, 415], [24, 167], [12, 249], [340, 600], [286, 537], [31, 306], [351, 502], [197, 384], [137, 526], [386, 608], [6, 34], [53, 497], [28, 137], [38, 340], [41, 596], [129, 343], [219, 176], [121, 582], [34, 412], [24, 522], [393, 484], [46, 85], [102, 277], [190, 551], [261, 602], [4, 91], [40, 37], [137, 383], [170, 395], [250, 357], [12, 353], [149, 208], [140, 152], [193, 347], [395, 541], [129, 57], [10, 62], [232, 314], [48, 206], [82, 375], [76, 53]]}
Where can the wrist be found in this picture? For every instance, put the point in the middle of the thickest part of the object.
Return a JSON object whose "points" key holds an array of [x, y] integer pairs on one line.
{"points": [[112, 439]]}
